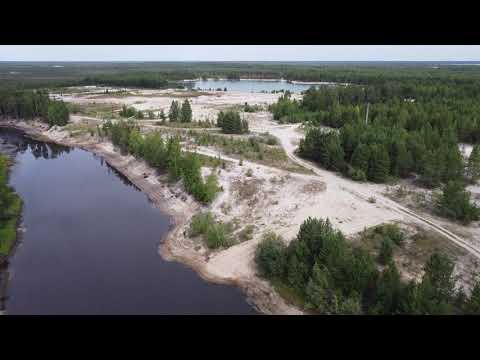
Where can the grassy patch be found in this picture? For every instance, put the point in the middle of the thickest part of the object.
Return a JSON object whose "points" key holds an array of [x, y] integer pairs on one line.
{"points": [[8, 227], [246, 233], [253, 148], [215, 234], [79, 129], [186, 125], [289, 294], [97, 110], [8, 236]]}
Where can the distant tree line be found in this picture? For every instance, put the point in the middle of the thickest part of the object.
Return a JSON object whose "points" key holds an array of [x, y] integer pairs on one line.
{"points": [[166, 155], [331, 276], [132, 79]]}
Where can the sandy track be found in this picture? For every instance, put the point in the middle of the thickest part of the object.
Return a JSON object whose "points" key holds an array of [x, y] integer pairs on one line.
{"points": [[289, 135]]}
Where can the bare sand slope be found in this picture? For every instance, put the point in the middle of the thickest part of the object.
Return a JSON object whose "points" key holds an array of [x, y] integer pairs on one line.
{"points": [[290, 136]]}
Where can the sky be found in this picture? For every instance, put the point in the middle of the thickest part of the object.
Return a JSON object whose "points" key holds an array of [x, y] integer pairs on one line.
{"points": [[239, 53]]}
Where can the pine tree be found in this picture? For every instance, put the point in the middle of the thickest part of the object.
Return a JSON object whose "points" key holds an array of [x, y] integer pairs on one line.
{"points": [[453, 164], [186, 112], [472, 305], [473, 169], [174, 158], [379, 164], [386, 251], [361, 157], [455, 203], [162, 116], [174, 112]]}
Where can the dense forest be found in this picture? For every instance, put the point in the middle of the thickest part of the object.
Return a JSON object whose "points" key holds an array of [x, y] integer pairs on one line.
{"points": [[31, 104], [163, 155], [135, 79], [330, 276], [393, 130], [36, 75]]}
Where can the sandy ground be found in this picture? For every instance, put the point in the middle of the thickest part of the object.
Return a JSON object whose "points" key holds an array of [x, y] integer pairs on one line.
{"points": [[204, 107], [271, 199]]}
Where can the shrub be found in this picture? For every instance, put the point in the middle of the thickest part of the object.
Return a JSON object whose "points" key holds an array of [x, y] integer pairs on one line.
{"points": [[218, 235], [58, 113], [455, 203], [246, 233], [386, 251], [231, 123], [200, 224], [269, 256]]}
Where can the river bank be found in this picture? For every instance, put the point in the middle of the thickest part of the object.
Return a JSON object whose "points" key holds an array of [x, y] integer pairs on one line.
{"points": [[9, 227], [171, 200]]}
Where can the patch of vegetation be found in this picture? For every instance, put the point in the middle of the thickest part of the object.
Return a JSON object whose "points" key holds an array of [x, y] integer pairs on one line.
{"points": [[455, 203], [97, 110], [128, 112], [10, 210], [186, 125], [231, 123], [251, 148], [246, 233], [31, 104], [251, 108], [164, 155], [334, 277], [215, 234]]}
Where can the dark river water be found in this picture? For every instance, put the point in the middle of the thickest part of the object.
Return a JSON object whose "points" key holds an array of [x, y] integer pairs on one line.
{"points": [[91, 243]]}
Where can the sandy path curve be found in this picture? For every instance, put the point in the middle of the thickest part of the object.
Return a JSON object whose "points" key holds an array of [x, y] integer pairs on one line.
{"points": [[289, 135]]}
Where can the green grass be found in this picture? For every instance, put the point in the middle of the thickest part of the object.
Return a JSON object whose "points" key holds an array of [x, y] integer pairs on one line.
{"points": [[186, 125], [210, 161], [8, 228], [246, 233], [289, 294], [254, 148], [215, 234]]}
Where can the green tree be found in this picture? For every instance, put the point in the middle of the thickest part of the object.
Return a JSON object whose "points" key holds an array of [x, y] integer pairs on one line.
{"points": [[385, 254], [361, 157], [473, 168], [174, 112], [270, 256], [174, 158], [472, 304], [379, 164], [186, 112], [455, 203], [58, 113], [439, 272]]}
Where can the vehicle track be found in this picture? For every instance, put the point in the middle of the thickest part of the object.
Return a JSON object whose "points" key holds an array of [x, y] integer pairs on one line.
{"points": [[387, 203]]}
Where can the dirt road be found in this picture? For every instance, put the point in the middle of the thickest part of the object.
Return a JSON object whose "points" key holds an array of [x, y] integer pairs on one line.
{"points": [[289, 137]]}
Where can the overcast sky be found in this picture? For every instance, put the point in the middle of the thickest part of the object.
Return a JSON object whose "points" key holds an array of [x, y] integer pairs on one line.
{"points": [[239, 53]]}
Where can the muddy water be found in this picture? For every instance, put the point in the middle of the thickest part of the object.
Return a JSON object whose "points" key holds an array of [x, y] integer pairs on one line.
{"points": [[91, 240]]}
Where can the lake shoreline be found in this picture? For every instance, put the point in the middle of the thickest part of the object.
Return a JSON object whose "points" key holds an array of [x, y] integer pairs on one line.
{"points": [[258, 293]]}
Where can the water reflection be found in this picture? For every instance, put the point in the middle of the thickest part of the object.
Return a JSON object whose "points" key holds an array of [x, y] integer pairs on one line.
{"points": [[91, 243]]}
